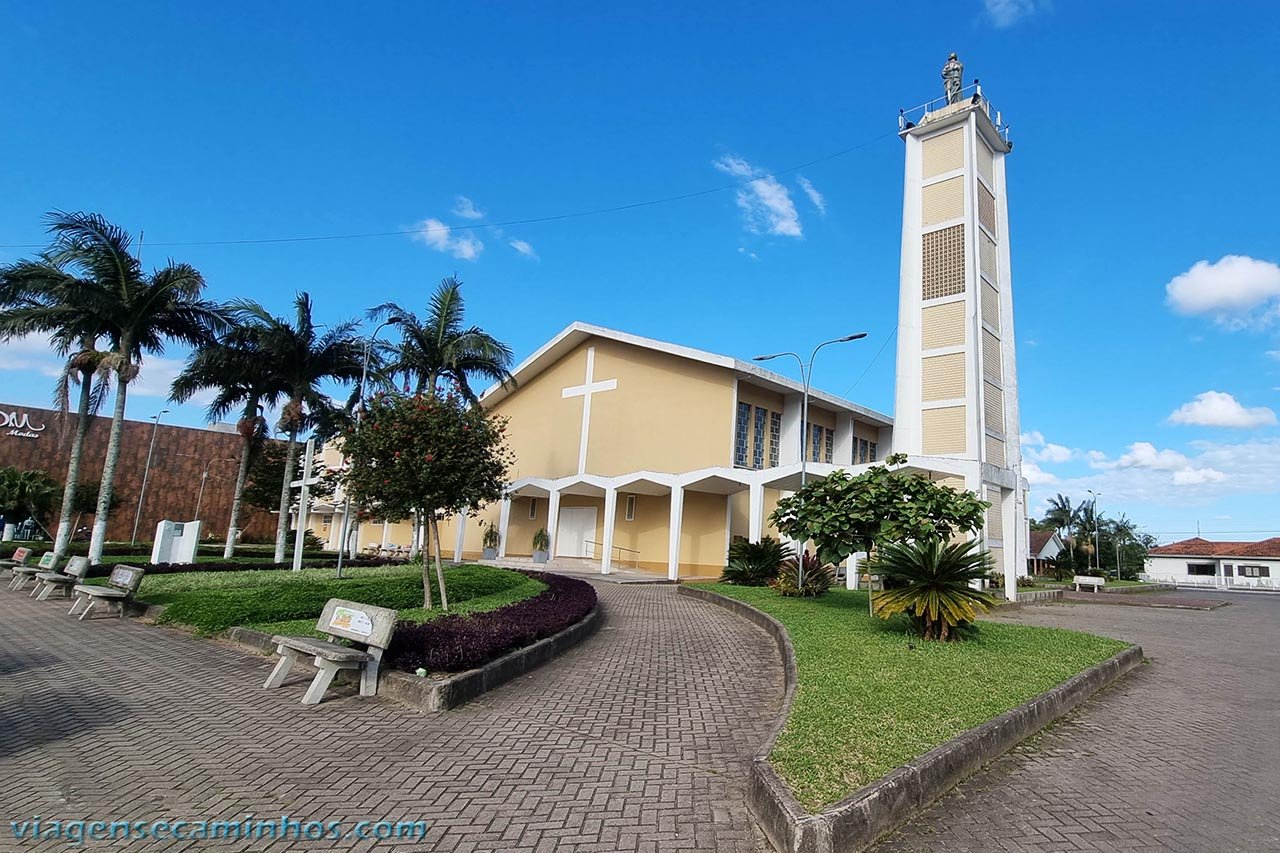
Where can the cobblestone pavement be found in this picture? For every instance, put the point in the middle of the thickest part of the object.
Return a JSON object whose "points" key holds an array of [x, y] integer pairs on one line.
{"points": [[637, 740], [1180, 755]]}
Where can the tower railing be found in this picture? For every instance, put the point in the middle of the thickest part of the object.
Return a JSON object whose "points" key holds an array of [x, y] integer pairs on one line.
{"points": [[917, 115]]}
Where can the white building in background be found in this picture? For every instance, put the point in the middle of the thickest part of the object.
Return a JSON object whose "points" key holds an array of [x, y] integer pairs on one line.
{"points": [[1200, 562]]}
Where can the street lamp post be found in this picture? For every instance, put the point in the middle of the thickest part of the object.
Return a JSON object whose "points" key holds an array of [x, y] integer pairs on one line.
{"points": [[203, 478], [364, 377], [146, 472], [806, 375], [1096, 552]]}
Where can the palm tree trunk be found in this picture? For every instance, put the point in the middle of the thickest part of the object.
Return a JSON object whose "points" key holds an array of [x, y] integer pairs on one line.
{"points": [[435, 536], [99, 538], [282, 525], [65, 524], [246, 454], [426, 573]]}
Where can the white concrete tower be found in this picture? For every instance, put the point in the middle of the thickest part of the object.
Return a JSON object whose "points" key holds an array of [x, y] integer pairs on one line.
{"points": [[957, 386]]}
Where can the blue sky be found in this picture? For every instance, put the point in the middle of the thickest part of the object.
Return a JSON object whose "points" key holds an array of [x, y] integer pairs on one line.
{"points": [[1144, 134]]}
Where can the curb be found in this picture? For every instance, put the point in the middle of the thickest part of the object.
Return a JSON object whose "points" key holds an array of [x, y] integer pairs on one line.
{"points": [[857, 821], [1038, 596], [442, 694]]}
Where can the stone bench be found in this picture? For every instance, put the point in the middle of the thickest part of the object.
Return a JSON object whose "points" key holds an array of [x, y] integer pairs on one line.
{"points": [[1089, 580], [121, 586], [65, 580], [19, 558], [22, 574], [368, 627]]}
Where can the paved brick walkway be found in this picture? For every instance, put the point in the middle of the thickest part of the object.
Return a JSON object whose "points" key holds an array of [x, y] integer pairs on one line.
{"points": [[637, 740], [1182, 755]]}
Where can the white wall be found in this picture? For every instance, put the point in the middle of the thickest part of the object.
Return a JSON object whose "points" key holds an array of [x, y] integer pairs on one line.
{"points": [[1174, 569]]}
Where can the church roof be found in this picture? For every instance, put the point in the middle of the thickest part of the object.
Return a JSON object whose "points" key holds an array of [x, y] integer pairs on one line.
{"points": [[1197, 547], [577, 332]]}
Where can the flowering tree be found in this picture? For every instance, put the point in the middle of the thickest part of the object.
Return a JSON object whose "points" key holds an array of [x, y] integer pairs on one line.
{"points": [[431, 456], [843, 514]]}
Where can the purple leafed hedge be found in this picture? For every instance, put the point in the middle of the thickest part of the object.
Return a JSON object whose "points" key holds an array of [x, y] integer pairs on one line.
{"points": [[458, 643]]}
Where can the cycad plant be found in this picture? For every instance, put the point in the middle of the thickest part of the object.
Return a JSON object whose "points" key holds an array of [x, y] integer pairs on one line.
{"points": [[932, 583], [754, 563]]}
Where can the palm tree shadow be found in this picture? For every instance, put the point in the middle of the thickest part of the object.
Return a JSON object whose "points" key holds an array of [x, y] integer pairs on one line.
{"points": [[36, 719]]}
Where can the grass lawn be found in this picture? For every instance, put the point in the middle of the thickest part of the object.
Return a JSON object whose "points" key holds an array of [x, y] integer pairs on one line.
{"points": [[866, 702], [290, 602]]}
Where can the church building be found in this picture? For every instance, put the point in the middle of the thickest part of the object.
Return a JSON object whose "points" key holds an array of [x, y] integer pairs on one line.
{"points": [[634, 453]]}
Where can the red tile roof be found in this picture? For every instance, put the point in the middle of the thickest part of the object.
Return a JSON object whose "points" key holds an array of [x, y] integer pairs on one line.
{"points": [[1198, 547]]}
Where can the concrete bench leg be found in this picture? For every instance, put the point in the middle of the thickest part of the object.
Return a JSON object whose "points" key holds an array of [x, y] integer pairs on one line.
{"points": [[325, 671], [369, 679], [88, 605], [282, 667], [74, 604], [46, 591]]}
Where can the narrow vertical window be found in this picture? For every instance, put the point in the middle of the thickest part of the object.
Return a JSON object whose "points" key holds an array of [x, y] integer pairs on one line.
{"points": [[815, 443], [872, 454], [533, 508], [740, 436], [631, 508], [828, 451], [757, 446], [775, 437]]}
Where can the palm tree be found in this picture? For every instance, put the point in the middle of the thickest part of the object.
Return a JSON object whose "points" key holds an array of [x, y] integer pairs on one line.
{"points": [[44, 297], [439, 347], [301, 360], [139, 313], [241, 373], [931, 582]]}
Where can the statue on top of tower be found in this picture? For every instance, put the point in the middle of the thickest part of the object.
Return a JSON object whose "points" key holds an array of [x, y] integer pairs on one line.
{"points": [[953, 78]]}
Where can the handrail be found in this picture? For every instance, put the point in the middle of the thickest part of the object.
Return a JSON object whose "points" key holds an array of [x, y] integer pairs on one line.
{"points": [[972, 93], [635, 561]]}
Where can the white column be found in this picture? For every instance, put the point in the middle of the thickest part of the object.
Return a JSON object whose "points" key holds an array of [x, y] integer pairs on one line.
{"points": [[851, 572], [553, 519], [755, 512], [386, 532], [673, 545], [504, 521], [843, 452], [1010, 550], [610, 516], [789, 434], [460, 521]]}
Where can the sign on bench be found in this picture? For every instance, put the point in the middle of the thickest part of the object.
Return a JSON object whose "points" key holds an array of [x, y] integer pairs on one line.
{"points": [[22, 574], [368, 627], [1088, 580]]}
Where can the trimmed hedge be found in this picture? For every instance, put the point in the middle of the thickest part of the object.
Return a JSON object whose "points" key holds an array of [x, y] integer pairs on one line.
{"points": [[458, 643], [103, 569]]}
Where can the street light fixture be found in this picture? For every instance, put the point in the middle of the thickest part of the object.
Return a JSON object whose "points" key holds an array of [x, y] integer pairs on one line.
{"points": [[146, 472], [364, 377], [806, 375], [203, 478], [1096, 552]]}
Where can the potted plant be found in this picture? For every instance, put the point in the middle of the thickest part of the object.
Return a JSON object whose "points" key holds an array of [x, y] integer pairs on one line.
{"points": [[541, 546], [491, 541]]}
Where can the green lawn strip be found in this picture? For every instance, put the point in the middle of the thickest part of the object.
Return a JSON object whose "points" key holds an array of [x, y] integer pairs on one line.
{"points": [[866, 702], [213, 601]]}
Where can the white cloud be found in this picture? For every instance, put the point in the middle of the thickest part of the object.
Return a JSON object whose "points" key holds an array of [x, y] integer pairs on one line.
{"points": [[466, 208], [1035, 476], [30, 354], [1053, 453], [766, 205], [1220, 409], [1274, 353], [439, 236], [743, 250], [812, 192], [1197, 476], [1006, 13], [1032, 439], [1236, 290], [1141, 454], [524, 248]]}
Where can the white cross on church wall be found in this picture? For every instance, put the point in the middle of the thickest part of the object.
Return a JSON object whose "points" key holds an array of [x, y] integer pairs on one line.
{"points": [[585, 390]]}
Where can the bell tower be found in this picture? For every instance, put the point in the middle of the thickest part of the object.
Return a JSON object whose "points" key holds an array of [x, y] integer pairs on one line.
{"points": [[957, 386]]}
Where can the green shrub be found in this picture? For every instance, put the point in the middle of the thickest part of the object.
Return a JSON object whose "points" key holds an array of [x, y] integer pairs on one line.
{"points": [[817, 577], [754, 563], [931, 584]]}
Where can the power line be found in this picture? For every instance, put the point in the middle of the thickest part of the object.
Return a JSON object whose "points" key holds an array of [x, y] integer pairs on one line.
{"points": [[874, 359], [598, 211]]}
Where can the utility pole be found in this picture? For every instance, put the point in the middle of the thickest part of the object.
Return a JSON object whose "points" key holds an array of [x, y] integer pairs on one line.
{"points": [[146, 473]]}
